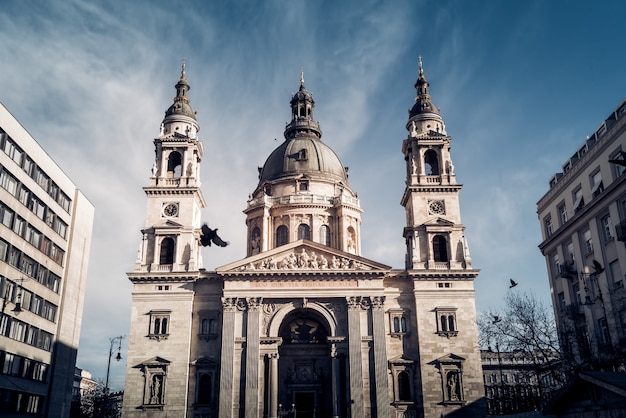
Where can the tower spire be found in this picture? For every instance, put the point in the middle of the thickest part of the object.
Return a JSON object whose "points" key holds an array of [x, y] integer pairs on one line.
{"points": [[302, 121]]}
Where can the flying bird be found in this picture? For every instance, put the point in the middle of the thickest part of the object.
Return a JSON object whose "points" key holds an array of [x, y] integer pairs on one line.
{"points": [[496, 319], [513, 283], [620, 161], [210, 235], [597, 267]]}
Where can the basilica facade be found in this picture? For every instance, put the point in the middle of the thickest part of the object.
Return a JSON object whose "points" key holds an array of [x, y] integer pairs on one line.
{"points": [[305, 326]]}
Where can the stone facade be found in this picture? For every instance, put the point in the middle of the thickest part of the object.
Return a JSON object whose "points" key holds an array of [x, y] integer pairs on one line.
{"points": [[304, 325]]}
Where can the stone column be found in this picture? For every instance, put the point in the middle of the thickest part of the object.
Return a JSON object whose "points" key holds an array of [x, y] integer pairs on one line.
{"points": [[380, 357], [227, 358], [273, 399], [355, 356], [335, 379], [252, 358]]}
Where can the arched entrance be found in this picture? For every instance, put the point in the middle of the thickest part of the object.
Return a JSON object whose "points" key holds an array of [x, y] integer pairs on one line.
{"points": [[304, 368]]}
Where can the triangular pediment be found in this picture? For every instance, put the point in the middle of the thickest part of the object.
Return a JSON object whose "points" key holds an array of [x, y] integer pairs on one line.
{"points": [[450, 358], [168, 223], [401, 359], [156, 361], [304, 257], [438, 222]]}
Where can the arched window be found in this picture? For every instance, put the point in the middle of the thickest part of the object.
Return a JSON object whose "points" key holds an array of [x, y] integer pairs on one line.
{"points": [[451, 326], [444, 323], [174, 165], [282, 235], [204, 328], [304, 232], [440, 248], [403, 324], [205, 388], [431, 163], [167, 251], [396, 324], [404, 386], [325, 235]]}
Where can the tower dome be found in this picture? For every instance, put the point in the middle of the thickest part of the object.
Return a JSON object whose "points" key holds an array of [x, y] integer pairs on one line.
{"points": [[303, 156], [303, 190], [303, 152], [424, 116], [180, 118]]}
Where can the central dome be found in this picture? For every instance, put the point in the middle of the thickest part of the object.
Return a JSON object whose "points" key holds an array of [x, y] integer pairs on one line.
{"points": [[303, 155]]}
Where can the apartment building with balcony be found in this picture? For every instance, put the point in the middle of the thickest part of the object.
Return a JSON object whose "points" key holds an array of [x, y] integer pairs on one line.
{"points": [[583, 224], [45, 237]]}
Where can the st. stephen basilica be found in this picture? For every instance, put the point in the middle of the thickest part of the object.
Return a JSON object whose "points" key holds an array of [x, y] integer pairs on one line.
{"points": [[304, 326]]}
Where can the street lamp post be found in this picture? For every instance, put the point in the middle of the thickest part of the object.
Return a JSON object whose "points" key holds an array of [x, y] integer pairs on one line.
{"points": [[118, 357]]}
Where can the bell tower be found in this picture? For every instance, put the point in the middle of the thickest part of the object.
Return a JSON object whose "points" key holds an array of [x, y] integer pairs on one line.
{"points": [[173, 214], [434, 234]]}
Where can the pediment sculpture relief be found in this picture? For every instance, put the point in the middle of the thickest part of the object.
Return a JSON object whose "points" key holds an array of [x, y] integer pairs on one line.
{"points": [[305, 260]]}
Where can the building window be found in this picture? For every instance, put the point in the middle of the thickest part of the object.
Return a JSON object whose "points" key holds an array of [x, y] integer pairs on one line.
{"points": [[616, 274], [547, 223], [398, 322], [159, 325], [13, 151], [208, 324], [402, 372], [304, 232], [282, 235], [618, 169], [304, 186], [6, 216], [607, 228], [562, 214], [206, 372], [588, 243], [19, 226], [596, 184], [579, 201], [440, 248], [404, 387], [431, 163], [174, 165], [8, 182], [167, 251], [325, 235], [604, 331], [205, 388], [446, 322]]}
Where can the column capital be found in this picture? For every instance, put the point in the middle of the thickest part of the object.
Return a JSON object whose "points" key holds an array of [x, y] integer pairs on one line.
{"points": [[378, 302], [357, 302], [229, 304], [254, 304]]}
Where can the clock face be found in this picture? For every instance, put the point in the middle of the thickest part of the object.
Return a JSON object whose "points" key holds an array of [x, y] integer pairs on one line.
{"points": [[436, 207], [170, 209]]}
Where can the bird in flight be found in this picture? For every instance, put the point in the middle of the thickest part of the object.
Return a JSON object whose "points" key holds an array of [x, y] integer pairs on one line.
{"points": [[210, 236], [513, 284]]}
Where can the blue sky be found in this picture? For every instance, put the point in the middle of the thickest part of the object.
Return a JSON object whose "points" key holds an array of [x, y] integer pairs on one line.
{"points": [[519, 85]]}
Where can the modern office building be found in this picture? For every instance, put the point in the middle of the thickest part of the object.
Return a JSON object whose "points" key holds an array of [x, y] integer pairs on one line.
{"points": [[583, 222], [305, 325], [45, 238]]}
